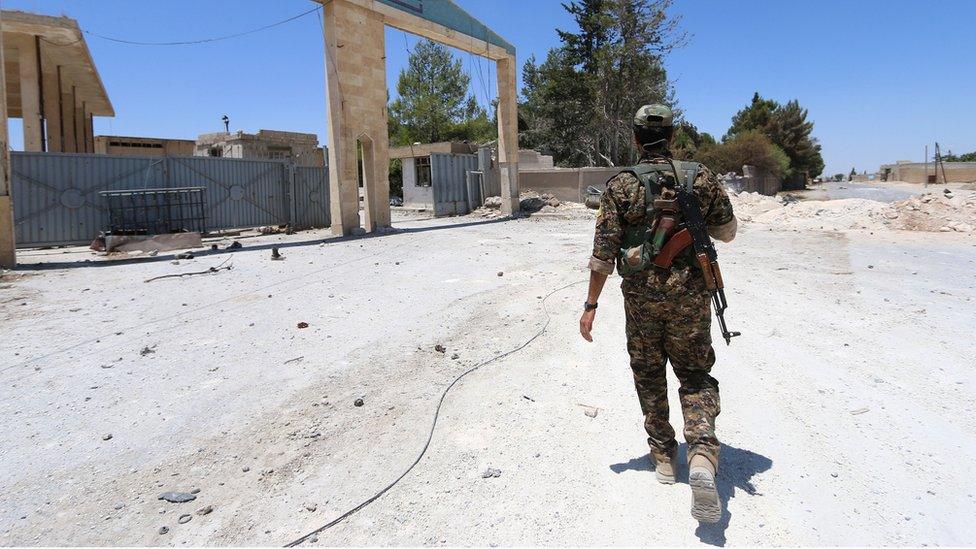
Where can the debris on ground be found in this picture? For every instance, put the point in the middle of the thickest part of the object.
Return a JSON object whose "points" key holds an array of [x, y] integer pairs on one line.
{"points": [[177, 497], [358, 402], [185, 255], [184, 518], [107, 436], [311, 507], [296, 359], [235, 245], [147, 350], [440, 348], [491, 472], [302, 325], [276, 229], [205, 510], [276, 255], [163, 530], [455, 356]]}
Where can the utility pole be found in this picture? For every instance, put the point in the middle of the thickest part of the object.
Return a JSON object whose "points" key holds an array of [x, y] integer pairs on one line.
{"points": [[226, 124], [926, 180]]}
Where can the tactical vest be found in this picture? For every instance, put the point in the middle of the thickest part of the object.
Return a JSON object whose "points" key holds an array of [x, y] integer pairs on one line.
{"points": [[642, 242]]}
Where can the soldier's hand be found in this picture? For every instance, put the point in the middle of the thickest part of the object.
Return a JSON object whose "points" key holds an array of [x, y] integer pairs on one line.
{"points": [[586, 324]]}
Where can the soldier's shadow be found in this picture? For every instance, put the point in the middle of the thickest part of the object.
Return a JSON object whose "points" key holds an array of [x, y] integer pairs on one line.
{"points": [[738, 466]]}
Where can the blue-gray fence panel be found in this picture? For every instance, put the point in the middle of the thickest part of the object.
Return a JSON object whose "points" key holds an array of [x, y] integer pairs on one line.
{"points": [[240, 193], [311, 198], [448, 174], [56, 198], [57, 201]]}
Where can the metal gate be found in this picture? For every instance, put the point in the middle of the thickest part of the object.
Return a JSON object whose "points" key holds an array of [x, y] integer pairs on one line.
{"points": [[56, 195]]}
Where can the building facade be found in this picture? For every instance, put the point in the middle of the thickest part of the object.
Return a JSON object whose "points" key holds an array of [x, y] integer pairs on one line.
{"points": [[143, 146], [301, 148], [922, 172]]}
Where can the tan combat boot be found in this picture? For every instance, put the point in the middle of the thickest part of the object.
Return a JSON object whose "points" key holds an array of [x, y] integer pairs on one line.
{"points": [[705, 505], [665, 466]]}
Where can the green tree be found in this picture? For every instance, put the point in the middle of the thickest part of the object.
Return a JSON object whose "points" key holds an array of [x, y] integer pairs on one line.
{"points": [[433, 102], [579, 103], [786, 126], [750, 148]]}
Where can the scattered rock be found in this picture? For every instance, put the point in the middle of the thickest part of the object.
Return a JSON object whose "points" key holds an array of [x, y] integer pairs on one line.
{"points": [[491, 473], [313, 539], [311, 507], [302, 325], [195, 491], [119, 506], [591, 412], [276, 255], [245, 468], [147, 350], [493, 202], [184, 519], [177, 497], [501, 273], [554, 202], [205, 510], [358, 402], [531, 204], [153, 253], [440, 348], [455, 356], [107, 436], [185, 255], [163, 530], [358, 231], [235, 245]]}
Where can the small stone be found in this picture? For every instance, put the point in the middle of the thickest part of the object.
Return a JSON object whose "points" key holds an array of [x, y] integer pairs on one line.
{"points": [[184, 519], [501, 273], [195, 491], [455, 356], [302, 325], [590, 412], [205, 510], [163, 530], [107, 436], [491, 473], [440, 348], [177, 497], [358, 402], [119, 506], [311, 507], [313, 539], [245, 468]]}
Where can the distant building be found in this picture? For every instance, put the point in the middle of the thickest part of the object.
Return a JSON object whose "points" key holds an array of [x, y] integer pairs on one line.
{"points": [[301, 148], [422, 179], [143, 146], [921, 172]]}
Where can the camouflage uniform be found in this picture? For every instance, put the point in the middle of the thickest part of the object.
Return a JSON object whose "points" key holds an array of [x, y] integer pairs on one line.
{"points": [[668, 317]]}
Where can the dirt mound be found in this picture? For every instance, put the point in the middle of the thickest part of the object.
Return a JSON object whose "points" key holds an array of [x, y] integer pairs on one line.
{"points": [[940, 211]]}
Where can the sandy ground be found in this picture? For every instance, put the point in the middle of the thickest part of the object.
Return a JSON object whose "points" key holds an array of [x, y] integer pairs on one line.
{"points": [[846, 403]]}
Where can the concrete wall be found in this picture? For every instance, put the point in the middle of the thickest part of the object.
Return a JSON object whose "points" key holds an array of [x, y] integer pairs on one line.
{"points": [[566, 184], [915, 172]]}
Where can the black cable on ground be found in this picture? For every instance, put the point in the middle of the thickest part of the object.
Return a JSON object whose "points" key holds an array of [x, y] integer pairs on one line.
{"points": [[433, 425]]}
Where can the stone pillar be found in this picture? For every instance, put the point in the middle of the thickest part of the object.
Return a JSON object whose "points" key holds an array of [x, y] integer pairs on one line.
{"points": [[79, 125], [52, 109], [68, 119], [8, 256], [355, 67], [89, 134], [30, 94], [508, 135]]}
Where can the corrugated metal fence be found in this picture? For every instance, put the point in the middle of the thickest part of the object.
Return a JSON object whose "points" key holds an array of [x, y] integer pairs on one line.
{"points": [[448, 174], [57, 201]]}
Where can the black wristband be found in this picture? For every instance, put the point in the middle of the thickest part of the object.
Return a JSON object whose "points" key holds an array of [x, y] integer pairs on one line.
{"points": [[587, 306]]}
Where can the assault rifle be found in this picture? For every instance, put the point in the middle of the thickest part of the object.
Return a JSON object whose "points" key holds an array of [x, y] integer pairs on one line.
{"points": [[704, 251]]}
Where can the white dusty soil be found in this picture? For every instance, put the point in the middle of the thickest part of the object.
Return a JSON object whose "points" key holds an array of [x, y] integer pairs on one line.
{"points": [[847, 403]]}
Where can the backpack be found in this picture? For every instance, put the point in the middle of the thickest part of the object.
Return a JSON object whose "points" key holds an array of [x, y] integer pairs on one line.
{"points": [[639, 245]]}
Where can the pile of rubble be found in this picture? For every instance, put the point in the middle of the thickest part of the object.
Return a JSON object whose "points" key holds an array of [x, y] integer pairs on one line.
{"points": [[530, 202], [945, 211]]}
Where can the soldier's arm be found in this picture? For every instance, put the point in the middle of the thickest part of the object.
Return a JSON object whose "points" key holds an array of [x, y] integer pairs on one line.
{"points": [[721, 221], [606, 246]]}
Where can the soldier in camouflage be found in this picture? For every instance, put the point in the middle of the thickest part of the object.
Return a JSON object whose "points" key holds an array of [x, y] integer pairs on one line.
{"points": [[668, 313]]}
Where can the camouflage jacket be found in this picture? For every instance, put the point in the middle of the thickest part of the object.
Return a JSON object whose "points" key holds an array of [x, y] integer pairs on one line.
{"points": [[622, 205]]}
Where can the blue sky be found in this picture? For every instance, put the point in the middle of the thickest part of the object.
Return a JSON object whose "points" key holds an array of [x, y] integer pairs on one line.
{"points": [[880, 78]]}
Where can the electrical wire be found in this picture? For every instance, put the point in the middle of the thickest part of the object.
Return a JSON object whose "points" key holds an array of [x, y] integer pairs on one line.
{"points": [[433, 425], [185, 42]]}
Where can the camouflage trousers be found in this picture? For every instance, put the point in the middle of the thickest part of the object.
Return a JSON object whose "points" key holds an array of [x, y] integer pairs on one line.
{"points": [[676, 329]]}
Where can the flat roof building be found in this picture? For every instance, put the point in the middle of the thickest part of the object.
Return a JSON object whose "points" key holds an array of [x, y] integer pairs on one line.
{"points": [[143, 146], [301, 148], [51, 82]]}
